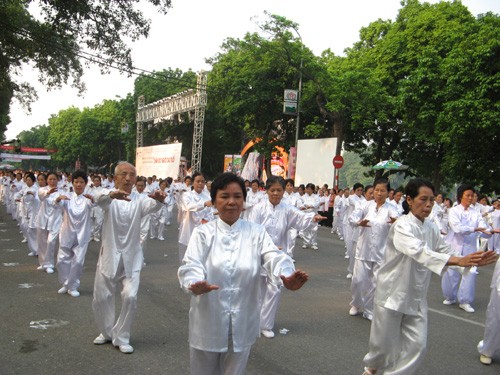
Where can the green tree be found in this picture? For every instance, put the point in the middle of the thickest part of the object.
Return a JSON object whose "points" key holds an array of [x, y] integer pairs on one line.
{"points": [[248, 79], [55, 43]]}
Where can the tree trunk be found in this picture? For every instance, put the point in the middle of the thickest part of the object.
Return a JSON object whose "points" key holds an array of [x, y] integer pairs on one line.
{"points": [[335, 118]]}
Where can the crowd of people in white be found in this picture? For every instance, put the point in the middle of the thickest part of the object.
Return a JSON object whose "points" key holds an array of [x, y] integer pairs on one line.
{"points": [[59, 214]]}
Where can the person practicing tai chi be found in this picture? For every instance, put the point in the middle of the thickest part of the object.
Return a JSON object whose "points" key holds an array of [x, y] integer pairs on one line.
{"points": [[121, 256]]}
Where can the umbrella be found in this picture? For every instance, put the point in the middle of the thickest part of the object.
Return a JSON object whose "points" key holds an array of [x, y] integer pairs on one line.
{"points": [[390, 165]]}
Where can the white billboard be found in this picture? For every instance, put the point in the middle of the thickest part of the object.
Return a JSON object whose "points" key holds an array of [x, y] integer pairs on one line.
{"points": [[162, 160], [315, 161]]}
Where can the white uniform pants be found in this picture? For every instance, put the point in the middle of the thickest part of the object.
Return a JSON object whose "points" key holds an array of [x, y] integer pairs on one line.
{"points": [[310, 236], [271, 296], [363, 285], [459, 287], [46, 254], [103, 304], [215, 363], [182, 252], [97, 226], [491, 341], [397, 342], [70, 265], [32, 240], [291, 238]]}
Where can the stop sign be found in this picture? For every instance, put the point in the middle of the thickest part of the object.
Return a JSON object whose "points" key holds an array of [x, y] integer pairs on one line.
{"points": [[338, 161]]}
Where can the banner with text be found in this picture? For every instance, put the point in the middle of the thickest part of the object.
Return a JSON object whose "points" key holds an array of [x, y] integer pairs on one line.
{"points": [[162, 160], [19, 157]]}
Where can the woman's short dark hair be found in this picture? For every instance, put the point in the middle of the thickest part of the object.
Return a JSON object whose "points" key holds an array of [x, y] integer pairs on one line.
{"points": [[357, 185], [413, 186], [310, 186], [221, 182], [289, 181], [30, 175], [275, 180], [382, 180], [54, 173], [196, 174], [462, 189], [255, 182], [79, 173]]}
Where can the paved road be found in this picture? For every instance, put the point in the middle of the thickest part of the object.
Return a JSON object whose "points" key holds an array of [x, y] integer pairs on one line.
{"points": [[322, 338]]}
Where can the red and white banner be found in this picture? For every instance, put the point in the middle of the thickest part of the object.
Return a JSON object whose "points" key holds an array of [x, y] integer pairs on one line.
{"points": [[162, 160]]}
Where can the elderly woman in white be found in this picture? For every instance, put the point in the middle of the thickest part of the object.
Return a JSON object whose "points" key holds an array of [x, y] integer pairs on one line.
{"points": [[221, 269]]}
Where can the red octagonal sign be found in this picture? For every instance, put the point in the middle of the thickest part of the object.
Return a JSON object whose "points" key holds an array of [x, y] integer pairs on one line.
{"points": [[338, 161]]}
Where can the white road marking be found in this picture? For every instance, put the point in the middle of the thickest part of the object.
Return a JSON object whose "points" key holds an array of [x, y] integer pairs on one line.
{"points": [[457, 317]]}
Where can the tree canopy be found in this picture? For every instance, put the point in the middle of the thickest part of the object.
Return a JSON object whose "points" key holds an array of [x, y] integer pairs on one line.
{"points": [[64, 34]]}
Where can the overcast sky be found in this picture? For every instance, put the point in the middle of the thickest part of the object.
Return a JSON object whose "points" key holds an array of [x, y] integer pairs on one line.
{"points": [[193, 30]]}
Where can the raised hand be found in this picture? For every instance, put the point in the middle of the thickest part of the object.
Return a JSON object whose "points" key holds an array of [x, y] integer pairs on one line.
{"points": [[295, 280], [202, 287], [120, 195]]}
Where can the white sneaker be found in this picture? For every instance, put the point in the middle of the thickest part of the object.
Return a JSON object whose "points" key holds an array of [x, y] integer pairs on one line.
{"points": [[97, 240], [349, 276], [40, 268], [100, 340], [24, 240], [314, 247], [466, 307], [354, 311], [63, 290], [267, 333], [304, 246], [449, 301], [346, 256], [485, 360], [161, 239], [49, 270], [74, 293], [32, 254], [368, 316], [127, 349]]}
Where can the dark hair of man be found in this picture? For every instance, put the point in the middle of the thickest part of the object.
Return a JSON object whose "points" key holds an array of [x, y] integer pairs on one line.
{"points": [[413, 186], [79, 173], [384, 181], [275, 180], [221, 182], [187, 178], [140, 178], [357, 185], [255, 182], [462, 189], [368, 187], [289, 181]]}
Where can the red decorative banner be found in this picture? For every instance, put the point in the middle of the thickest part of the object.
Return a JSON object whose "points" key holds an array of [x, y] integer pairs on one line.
{"points": [[29, 149]]}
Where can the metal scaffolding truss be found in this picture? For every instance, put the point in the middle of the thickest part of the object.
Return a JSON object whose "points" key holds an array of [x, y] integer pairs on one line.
{"points": [[167, 108]]}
